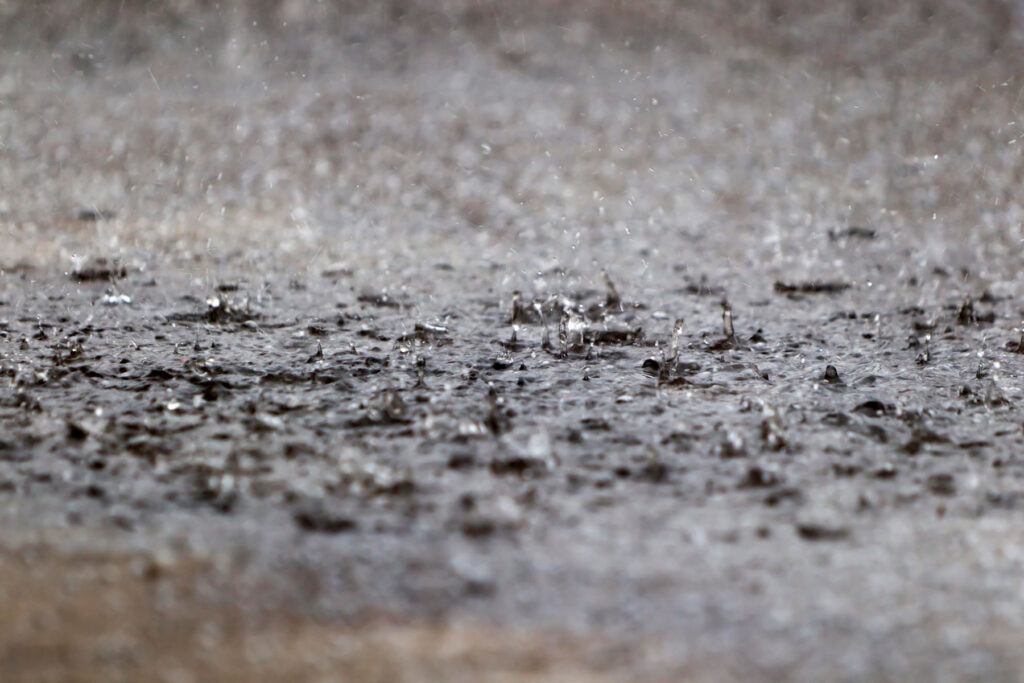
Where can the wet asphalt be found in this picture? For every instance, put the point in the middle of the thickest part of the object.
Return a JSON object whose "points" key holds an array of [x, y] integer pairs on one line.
{"points": [[703, 341]]}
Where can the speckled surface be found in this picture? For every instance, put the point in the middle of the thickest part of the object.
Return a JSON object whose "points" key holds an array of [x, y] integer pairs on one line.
{"points": [[258, 295]]}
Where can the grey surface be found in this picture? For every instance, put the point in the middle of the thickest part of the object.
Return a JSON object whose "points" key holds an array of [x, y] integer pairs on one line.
{"points": [[387, 169]]}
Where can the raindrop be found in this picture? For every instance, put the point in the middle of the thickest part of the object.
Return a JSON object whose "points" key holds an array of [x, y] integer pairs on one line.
{"points": [[677, 333], [925, 356], [612, 300], [727, 327]]}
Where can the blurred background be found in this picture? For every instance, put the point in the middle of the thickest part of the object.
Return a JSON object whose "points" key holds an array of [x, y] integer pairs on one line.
{"points": [[316, 126]]}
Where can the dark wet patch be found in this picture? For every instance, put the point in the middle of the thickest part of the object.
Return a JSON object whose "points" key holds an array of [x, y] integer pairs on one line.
{"points": [[784, 496], [317, 517], [519, 465], [822, 531], [378, 299], [760, 477], [811, 287], [702, 287], [855, 232], [92, 215], [654, 472], [98, 269], [941, 484]]}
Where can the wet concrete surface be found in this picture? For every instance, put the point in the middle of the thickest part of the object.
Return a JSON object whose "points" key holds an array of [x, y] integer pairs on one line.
{"points": [[328, 311]]}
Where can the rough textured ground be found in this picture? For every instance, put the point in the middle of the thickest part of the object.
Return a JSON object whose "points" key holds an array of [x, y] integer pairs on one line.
{"points": [[310, 369]]}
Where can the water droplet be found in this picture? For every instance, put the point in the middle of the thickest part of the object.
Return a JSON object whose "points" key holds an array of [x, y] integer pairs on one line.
{"points": [[677, 333]]}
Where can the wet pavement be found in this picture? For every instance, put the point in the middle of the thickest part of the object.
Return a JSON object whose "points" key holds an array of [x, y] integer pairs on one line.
{"points": [[676, 334]]}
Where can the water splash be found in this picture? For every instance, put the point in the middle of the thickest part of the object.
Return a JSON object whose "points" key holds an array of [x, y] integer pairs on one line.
{"points": [[677, 333], [612, 300], [727, 326]]}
